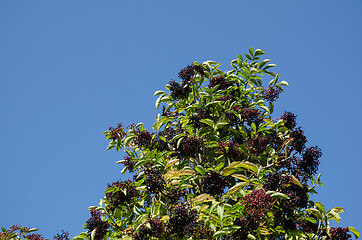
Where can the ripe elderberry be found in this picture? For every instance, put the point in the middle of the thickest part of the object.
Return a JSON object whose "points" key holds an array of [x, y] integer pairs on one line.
{"points": [[175, 194], [310, 161], [289, 120], [143, 138], [257, 144], [190, 146], [298, 140], [182, 220], [63, 236], [97, 224], [214, 183], [128, 163], [257, 203], [117, 132], [339, 233], [125, 194], [219, 81], [152, 228], [154, 181], [188, 72], [230, 149], [251, 116], [179, 91], [272, 93]]}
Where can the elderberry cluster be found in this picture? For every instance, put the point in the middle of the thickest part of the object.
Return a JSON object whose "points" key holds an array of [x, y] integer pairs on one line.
{"points": [[128, 163], [125, 194], [310, 161], [143, 138], [188, 72], [298, 140], [214, 183], [179, 91], [200, 114], [230, 149], [183, 220], [289, 120], [154, 181], [190, 146], [257, 203], [220, 82], [62, 236], [97, 224], [272, 93], [175, 194], [117, 132], [251, 116], [152, 228], [339, 233], [257, 144]]}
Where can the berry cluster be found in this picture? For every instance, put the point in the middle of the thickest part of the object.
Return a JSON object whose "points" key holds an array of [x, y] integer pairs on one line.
{"points": [[125, 194], [183, 220], [257, 203], [230, 149], [179, 91], [257, 144], [200, 114], [128, 163], [34, 236], [117, 132], [97, 224], [251, 116], [274, 140], [310, 161], [214, 183], [143, 138], [225, 98], [298, 140], [276, 181], [339, 233], [188, 72], [307, 226], [190, 146], [289, 120], [220, 82], [175, 194], [152, 228], [154, 181], [62, 236], [246, 224], [272, 93]]}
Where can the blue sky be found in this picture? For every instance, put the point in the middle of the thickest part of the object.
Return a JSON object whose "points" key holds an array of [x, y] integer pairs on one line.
{"points": [[70, 69]]}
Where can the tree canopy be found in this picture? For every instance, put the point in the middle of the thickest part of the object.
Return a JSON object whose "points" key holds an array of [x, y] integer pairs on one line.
{"points": [[216, 165]]}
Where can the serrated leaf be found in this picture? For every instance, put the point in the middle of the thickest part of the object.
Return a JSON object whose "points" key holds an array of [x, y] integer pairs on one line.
{"points": [[236, 188], [200, 170], [241, 177], [221, 233]]}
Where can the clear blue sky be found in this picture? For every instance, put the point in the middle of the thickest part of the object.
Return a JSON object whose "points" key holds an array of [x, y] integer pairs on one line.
{"points": [[70, 69]]}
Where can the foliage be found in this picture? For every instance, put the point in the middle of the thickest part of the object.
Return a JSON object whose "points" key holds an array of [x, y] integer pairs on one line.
{"points": [[17, 232], [217, 165]]}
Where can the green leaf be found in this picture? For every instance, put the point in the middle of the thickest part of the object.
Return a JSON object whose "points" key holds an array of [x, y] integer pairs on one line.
{"points": [[236, 188], [320, 207], [220, 233], [158, 101], [259, 52], [208, 122], [279, 195], [158, 93], [354, 231], [220, 212], [200, 170], [262, 64], [283, 83], [251, 51]]}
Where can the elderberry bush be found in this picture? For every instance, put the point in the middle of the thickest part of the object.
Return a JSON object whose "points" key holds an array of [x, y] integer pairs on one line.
{"points": [[217, 164]]}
